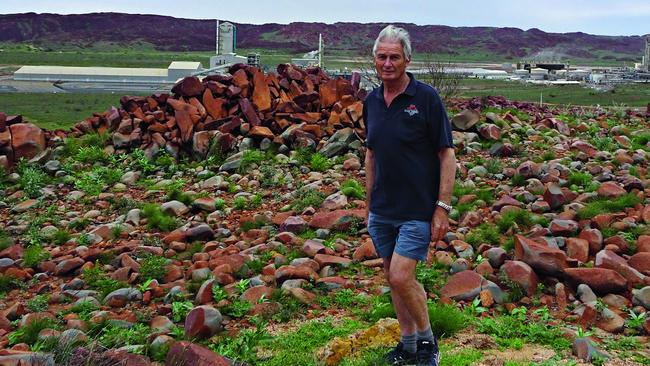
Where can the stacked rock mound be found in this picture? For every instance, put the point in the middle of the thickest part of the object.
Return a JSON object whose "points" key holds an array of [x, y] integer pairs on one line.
{"points": [[19, 139], [293, 108]]}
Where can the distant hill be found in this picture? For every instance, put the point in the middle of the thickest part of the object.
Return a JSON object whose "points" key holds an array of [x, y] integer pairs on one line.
{"points": [[176, 34]]}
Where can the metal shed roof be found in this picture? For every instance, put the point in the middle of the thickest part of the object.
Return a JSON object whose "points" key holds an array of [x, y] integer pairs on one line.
{"points": [[91, 71], [185, 65]]}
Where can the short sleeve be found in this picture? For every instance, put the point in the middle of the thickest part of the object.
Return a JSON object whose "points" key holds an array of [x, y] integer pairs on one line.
{"points": [[365, 122], [440, 126]]}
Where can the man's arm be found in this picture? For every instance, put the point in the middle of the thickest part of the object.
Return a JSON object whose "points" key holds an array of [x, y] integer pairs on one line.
{"points": [[370, 176], [440, 222]]}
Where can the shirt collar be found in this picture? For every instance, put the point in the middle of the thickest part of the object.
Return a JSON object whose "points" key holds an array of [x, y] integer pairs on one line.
{"points": [[410, 89]]}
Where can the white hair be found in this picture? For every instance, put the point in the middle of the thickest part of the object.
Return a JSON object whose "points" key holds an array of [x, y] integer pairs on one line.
{"points": [[396, 34]]}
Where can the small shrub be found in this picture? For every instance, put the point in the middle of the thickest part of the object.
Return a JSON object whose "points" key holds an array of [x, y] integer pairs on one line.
{"points": [[510, 218], [238, 308], [152, 267], [29, 333], [38, 303], [34, 255], [353, 189], [518, 180], [239, 203], [485, 233], [5, 240], [8, 283], [61, 237], [319, 163], [218, 293], [180, 309], [91, 154], [580, 179], [494, 166], [603, 205], [157, 219], [115, 336], [308, 198], [445, 319], [249, 158], [32, 180], [97, 280]]}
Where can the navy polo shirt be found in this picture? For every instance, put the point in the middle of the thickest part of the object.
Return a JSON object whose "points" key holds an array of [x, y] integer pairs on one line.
{"points": [[405, 139]]}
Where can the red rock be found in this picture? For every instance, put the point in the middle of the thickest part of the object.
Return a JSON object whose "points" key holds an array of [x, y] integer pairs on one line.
{"points": [[539, 256], [27, 140], [313, 247], [600, 280], [295, 272], [185, 124], [186, 353], [645, 214], [261, 132], [505, 201], [261, 93], [339, 219], [255, 293], [594, 237], [302, 295], [577, 249], [203, 321], [68, 265], [331, 260], [554, 196], [214, 106], [643, 243], [584, 147], [465, 285], [490, 132], [365, 251], [522, 274], [560, 227], [641, 262], [327, 94], [189, 86], [610, 190]]}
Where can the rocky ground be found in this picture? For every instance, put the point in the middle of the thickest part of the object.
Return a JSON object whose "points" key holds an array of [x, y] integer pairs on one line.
{"points": [[130, 248]]}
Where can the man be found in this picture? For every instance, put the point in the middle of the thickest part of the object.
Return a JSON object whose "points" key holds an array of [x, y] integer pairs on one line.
{"points": [[410, 170]]}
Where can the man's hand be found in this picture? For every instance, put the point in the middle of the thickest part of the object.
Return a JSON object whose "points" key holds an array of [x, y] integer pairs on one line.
{"points": [[439, 224]]}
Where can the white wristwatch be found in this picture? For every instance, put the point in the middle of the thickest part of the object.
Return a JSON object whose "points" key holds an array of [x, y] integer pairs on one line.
{"points": [[445, 206]]}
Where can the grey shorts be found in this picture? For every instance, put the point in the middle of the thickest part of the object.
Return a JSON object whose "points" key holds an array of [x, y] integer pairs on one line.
{"points": [[408, 238]]}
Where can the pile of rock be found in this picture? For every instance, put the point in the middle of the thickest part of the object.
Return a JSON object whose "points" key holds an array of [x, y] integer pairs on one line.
{"points": [[293, 108], [19, 139]]}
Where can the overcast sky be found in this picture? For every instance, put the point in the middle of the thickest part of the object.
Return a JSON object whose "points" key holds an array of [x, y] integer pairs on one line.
{"points": [[605, 17]]}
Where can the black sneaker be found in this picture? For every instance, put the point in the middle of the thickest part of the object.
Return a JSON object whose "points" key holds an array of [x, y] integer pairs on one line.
{"points": [[428, 353], [398, 356]]}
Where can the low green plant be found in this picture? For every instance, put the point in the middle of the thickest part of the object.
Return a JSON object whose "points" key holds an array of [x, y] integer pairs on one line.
{"points": [[635, 321], [31, 180], [98, 280], [237, 308], [484, 233], [507, 329], [61, 237], [244, 346], [605, 205], [243, 285], [475, 308], [29, 332], [518, 180], [510, 218], [146, 285], [94, 181], [249, 158], [8, 283], [218, 293], [139, 161], [157, 219], [115, 336], [180, 309], [446, 320], [319, 163], [38, 303], [84, 309], [5, 240], [581, 179], [239, 203], [353, 189], [91, 154], [307, 197], [34, 254], [152, 267]]}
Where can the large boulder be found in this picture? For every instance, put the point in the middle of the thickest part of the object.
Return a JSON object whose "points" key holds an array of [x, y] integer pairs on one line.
{"points": [[601, 280], [203, 322], [187, 353], [27, 140], [540, 257]]}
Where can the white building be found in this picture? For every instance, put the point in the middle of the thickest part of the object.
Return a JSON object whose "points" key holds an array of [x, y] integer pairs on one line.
{"points": [[175, 71]]}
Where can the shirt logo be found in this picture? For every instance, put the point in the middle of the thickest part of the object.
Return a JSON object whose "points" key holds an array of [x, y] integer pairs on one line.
{"points": [[412, 110]]}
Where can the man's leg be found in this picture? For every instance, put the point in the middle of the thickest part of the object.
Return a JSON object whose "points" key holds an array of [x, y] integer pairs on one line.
{"points": [[409, 298], [407, 326]]}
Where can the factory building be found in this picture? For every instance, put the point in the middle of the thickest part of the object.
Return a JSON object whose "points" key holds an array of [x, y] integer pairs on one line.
{"points": [[175, 71], [226, 46]]}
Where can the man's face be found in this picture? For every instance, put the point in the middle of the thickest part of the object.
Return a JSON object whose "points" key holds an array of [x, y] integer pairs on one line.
{"points": [[390, 61]]}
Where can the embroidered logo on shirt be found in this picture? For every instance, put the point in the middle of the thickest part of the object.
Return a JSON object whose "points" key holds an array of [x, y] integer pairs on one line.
{"points": [[412, 110]]}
